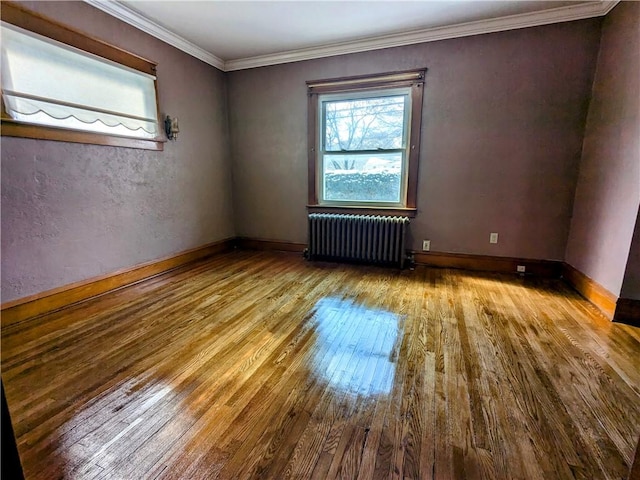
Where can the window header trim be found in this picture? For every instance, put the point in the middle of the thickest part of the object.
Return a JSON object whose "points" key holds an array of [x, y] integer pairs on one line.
{"points": [[362, 82]]}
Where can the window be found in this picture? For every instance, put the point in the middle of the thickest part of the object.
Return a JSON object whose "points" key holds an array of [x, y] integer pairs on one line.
{"points": [[56, 91], [364, 135]]}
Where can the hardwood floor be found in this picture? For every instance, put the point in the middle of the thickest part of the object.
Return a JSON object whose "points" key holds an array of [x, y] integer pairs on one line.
{"points": [[261, 365]]}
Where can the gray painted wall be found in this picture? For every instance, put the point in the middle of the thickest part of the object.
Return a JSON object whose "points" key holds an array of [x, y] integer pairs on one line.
{"points": [[503, 130], [72, 212], [502, 135], [608, 190]]}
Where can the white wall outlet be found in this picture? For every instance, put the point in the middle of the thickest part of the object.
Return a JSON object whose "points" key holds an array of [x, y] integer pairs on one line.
{"points": [[493, 238], [426, 245], [521, 269]]}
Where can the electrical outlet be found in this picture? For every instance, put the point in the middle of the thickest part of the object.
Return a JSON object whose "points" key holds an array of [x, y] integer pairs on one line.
{"points": [[493, 238], [521, 269], [426, 245]]}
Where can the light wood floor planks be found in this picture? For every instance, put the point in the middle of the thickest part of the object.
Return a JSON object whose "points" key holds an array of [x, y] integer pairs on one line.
{"points": [[261, 365]]}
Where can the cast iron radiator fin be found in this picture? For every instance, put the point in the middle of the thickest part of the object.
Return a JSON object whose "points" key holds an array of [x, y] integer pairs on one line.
{"points": [[357, 238]]}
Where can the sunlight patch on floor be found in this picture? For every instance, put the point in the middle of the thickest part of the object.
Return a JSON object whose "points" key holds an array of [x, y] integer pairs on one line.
{"points": [[363, 362]]}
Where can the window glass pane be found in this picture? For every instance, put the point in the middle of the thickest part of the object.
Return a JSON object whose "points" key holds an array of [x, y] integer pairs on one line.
{"points": [[362, 177], [364, 124], [48, 83]]}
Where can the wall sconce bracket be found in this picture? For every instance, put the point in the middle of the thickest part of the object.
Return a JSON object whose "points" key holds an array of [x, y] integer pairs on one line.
{"points": [[171, 127]]}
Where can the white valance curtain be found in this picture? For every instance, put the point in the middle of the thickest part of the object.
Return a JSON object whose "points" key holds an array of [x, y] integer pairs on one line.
{"points": [[50, 83]]}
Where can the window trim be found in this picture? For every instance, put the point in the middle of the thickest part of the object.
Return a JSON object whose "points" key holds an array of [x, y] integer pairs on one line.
{"points": [[363, 83], [39, 24]]}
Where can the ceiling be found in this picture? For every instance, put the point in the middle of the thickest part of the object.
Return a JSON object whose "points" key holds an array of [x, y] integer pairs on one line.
{"points": [[233, 35]]}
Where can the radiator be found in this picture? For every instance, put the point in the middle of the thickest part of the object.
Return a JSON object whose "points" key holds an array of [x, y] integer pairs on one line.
{"points": [[358, 238]]}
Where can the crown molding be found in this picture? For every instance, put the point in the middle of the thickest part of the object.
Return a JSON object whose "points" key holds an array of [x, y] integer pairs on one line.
{"points": [[607, 6], [512, 22], [569, 13], [126, 14]]}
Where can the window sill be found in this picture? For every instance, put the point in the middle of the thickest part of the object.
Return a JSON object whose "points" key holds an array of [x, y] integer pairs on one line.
{"points": [[387, 211], [11, 128]]}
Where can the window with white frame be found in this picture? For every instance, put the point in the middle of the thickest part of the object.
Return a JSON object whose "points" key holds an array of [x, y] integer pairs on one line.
{"points": [[364, 140], [62, 92]]}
